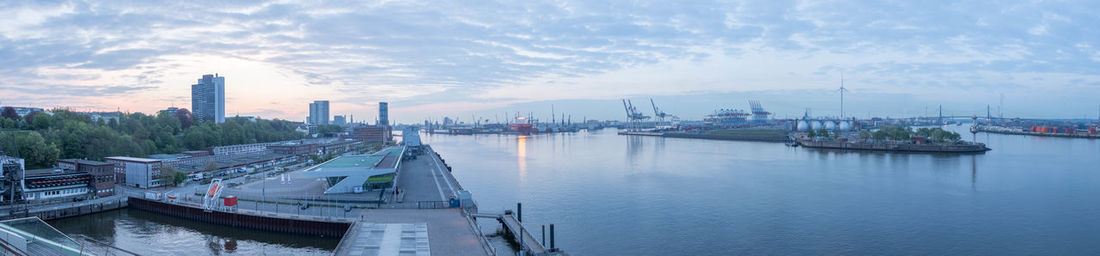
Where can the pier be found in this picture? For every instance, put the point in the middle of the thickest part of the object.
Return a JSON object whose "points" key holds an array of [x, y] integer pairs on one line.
{"points": [[425, 212], [527, 241]]}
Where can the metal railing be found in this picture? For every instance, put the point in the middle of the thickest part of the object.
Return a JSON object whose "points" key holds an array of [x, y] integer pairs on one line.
{"points": [[432, 204]]}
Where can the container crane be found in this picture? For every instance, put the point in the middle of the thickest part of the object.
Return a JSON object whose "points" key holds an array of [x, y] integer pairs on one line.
{"points": [[633, 115]]}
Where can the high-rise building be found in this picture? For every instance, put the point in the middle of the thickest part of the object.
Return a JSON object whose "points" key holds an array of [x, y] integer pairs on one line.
{"points": [[383, 113], [318, 112], [208, 99]]}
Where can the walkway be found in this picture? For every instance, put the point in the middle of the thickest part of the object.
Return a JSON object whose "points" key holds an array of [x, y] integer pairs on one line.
{"points": [[426, 179]]}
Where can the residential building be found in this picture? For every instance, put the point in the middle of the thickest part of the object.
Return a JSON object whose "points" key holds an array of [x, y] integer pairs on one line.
{"points": [[318, 112], [103, 174], [24, 111], [208, 99], [137, 172], [171, 110], [339, 120], [383, 113]]}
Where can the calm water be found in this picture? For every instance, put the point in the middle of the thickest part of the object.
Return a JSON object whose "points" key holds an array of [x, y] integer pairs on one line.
{"points": [[619, 195], [152, 234]]}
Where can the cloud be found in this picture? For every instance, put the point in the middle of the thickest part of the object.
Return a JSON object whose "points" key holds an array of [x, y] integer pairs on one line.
{"points": [[461, 55]]}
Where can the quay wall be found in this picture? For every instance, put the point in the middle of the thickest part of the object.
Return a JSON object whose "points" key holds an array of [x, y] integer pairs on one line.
{"points": [[1062, 135], [895, 147], [265, 223], [58, 212]]}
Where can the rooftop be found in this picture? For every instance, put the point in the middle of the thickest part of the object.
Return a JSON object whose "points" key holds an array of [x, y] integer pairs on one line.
{"points": [[132, 159], [366, 161], [47, 171], [357, 168], [84, 161]]}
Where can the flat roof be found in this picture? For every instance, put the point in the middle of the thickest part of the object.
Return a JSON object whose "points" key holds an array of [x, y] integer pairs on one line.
{"points": [[84, 161], [48, 172], [132, 159], [349, 161]]}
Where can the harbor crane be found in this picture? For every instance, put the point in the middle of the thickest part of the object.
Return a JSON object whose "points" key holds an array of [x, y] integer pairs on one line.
{"points": [[758, 112], [657, 112], [632, 114]]}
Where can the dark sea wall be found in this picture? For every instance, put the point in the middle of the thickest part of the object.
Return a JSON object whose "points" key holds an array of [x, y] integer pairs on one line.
{"points": [[265, 223]]}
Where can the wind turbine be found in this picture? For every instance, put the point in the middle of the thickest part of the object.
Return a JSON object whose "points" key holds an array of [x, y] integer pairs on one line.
{"points": [[842, 90]]}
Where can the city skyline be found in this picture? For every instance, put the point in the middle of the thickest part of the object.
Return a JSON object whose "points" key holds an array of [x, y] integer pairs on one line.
{"points": [[581, 57]]}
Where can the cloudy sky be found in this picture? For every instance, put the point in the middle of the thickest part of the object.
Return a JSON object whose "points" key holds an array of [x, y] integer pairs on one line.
{"points": [[484, 58]]}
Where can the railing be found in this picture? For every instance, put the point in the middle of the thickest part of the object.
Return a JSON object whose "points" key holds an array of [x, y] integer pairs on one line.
{"points": [[489, 249], [108, 249], [432, 204]]}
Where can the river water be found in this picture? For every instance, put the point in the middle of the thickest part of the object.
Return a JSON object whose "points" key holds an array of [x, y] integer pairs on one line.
{"points": [[624, 195], [627, 195]]}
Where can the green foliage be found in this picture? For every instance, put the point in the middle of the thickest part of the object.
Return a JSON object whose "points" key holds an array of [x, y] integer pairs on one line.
{"points": [[30, 146], [935, 135], [811, 133], [329, 130], [9, 113], [938, 135], [171, 176], [68, 134], [864, 134]]}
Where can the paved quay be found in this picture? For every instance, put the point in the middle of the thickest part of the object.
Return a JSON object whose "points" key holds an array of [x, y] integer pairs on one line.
{"points": [[448, 232]]}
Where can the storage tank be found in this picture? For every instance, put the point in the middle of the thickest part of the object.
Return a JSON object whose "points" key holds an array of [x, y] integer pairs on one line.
{"points": [[845, 126], [802, 125], [816, 125], [830, 125]]}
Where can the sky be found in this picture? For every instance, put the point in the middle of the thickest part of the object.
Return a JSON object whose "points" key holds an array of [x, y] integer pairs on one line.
{"points": [[491, 59]]}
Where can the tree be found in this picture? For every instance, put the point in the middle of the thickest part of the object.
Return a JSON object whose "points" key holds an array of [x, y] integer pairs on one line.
{"points": [[167, 175], [864, 134], [33, 149], [9, 113], [185, 117], [823, 133], [811, 133], [39, 121]]}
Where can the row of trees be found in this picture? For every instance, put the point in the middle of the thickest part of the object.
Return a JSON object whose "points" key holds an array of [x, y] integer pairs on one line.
{"points": [[41, 138], [897, 133]]}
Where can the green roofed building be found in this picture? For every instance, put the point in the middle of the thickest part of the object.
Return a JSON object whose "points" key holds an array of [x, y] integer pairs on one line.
{"points": [[357, 173]]}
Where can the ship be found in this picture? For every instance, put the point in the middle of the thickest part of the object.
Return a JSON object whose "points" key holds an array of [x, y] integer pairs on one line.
{"points": [[727, 118]]}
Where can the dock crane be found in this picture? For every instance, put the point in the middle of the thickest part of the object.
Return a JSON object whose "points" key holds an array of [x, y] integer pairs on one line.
{"points": [[633, 115], [657, 112]]}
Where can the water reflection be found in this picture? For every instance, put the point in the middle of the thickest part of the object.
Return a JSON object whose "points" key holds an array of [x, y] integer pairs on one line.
{"points": [[973, 170], [521, 157]]}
